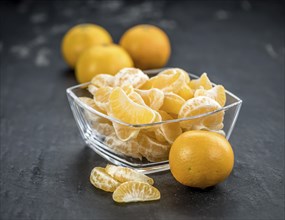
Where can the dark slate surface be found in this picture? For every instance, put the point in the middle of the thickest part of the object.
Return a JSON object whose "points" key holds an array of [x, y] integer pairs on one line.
{"points": [[44, 163]]}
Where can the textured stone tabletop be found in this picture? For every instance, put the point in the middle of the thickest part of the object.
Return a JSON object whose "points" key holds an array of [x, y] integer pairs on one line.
{"points": [[45, 165]]}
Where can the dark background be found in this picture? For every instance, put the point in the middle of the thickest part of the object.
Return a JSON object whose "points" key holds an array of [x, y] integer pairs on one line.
{"points": [[45, 165]]}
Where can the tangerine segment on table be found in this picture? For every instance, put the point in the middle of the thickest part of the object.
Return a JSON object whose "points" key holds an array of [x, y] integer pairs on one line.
{"points": [[134, 191], [100, 179], [201, 105], [124, 174], [135, 114], [201, 159], [217, 93]]}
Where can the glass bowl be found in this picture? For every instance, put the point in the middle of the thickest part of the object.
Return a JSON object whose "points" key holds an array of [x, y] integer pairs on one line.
{"points": [[97, 131]]}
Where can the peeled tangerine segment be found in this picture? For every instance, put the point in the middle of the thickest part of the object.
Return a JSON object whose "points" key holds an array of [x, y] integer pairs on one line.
{"points": [[93, 117], [124, 174], [170, 131], [217, 93], [166, 82], [100, 179], [124, 132], [132, 76], [202, 81], [152, 97], [172, 103], [92, 89], [103, 80], [152, 149], [134, 191], [90, 102], [128, 88], [126, 110], [201, 105], [175, 70], [135, 97], [185, 92], [125, 148], [101, 97]]}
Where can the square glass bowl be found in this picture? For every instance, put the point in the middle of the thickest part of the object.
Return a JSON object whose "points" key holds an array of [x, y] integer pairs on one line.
{"points": [[97, 130]]}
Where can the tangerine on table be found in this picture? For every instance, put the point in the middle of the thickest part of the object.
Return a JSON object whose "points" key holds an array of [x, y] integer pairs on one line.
{"points": [[201, 159], [107, 59], [81, 37], [148, 45]]}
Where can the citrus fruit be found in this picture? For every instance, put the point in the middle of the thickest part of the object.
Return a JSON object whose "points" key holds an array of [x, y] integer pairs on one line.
{"points": [[125, 148], [203, 81], [134, 96], [132, 76], [93, 118], [201, 105], [201, 159], [108, 59], [217, 93], [175, 70], [125, 133], [172, 103], [134, 191], [92, 89], [124, 174], [102, 80], [81, 37], [166, 82], [128, 88], [152, 97], [182, 88], [100, 179], [101, 97], [126, 110], [170, 131], [185, 91], [148, 46], [90, 102], [152, 149]]}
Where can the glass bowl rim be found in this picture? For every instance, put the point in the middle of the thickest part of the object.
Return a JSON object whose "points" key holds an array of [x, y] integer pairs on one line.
{"points": [[149, 72]]}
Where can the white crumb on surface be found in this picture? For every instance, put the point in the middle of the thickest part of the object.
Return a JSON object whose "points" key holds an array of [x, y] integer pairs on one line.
{"points": [[38, 41], [270, 50], [58, 29], [222, 15], [38, 18], [245, 5], [42, 57], [167, 24], [20, 51]]}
